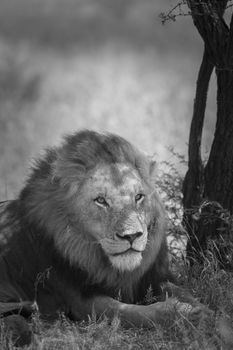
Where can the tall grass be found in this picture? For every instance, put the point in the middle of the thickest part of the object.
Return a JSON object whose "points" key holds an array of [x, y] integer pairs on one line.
{"points": [[210, 285]]}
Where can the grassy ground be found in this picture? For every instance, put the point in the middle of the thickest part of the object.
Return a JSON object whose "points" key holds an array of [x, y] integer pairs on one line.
{"points": [[210, 285]]}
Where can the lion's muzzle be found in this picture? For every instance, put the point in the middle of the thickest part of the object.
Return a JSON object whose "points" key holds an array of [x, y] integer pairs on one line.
{"points": [[130, 237], [128, 242], [132, 229]]}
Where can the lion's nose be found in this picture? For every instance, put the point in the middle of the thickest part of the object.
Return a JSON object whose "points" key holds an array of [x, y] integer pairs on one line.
{"points": [[130, 237]]}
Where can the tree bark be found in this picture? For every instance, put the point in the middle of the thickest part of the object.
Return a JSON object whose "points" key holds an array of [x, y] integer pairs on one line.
{"points": [[219, 169], [214, 183], [193, 185]]}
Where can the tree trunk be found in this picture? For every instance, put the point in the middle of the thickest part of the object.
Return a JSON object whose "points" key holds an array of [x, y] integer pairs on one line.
{"points": [[209, 191], [193, 185], [219, 169], [210, 227]]}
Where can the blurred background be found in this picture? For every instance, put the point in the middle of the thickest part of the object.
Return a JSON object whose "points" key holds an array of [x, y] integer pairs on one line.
{"points": [[100, 64]]}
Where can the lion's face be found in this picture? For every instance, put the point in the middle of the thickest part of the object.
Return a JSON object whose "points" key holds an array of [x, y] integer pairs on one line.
{"points": [[113, 203]]}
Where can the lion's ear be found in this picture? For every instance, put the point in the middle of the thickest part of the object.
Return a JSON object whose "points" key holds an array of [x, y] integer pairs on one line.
{"points": [[147, 166], [67, 171]]}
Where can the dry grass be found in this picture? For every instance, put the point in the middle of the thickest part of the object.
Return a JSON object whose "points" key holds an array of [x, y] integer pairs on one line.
{"points": [[209, 284]]}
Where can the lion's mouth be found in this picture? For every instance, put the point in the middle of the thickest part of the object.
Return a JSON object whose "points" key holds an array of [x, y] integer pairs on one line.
{"points": [[128, 251]]}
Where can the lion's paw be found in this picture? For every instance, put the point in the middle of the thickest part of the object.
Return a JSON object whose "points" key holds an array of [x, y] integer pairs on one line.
{"points": [[194, 314]]}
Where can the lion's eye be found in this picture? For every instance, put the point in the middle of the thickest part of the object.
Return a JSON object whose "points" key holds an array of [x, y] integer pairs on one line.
{"points": [[139, 197], [101, 201]]}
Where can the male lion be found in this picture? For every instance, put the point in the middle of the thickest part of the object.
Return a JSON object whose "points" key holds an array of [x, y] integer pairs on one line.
{"points": [[87, 233]]}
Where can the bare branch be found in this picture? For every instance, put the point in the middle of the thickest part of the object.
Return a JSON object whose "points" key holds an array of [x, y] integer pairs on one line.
{"points": [[176, 11], [181, 10]]}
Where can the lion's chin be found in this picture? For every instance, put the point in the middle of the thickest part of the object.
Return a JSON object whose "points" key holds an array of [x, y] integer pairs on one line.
{"points": [[126, 261]]}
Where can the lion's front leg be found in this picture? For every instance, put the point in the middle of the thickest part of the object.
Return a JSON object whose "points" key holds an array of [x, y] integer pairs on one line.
{"points": [[130, 314]]}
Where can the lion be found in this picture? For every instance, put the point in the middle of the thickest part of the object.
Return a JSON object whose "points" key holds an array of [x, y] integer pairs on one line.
{"points": [[87, 233]]}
